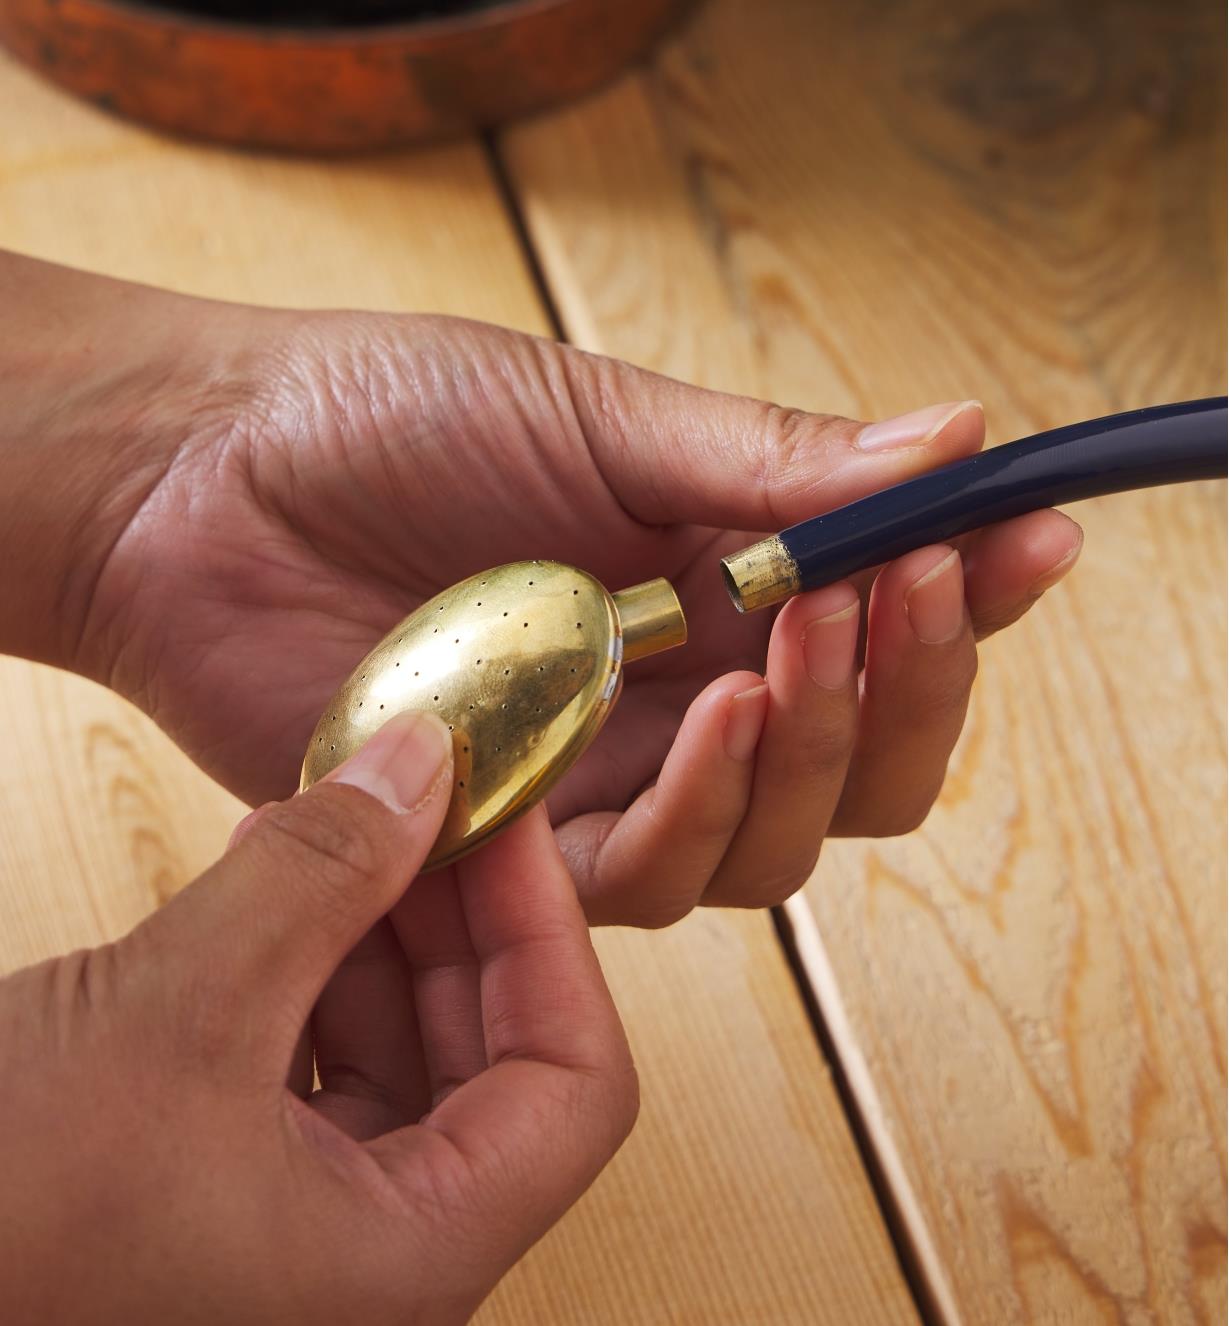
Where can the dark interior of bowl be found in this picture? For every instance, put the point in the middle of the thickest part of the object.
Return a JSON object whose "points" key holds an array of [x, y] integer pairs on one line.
{"points": [[324, 13]]}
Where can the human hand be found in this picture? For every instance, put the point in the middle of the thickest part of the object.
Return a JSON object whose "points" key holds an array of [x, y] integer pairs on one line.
{"points": [[474, 1077], [329, 472]]}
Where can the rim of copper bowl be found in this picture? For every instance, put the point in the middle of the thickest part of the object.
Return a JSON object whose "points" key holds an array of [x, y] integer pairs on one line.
{"points": [[496, 14]]}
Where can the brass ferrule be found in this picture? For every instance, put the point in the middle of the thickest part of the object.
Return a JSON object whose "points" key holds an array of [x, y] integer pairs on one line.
{"points": [[650, 619], [761, 575]]}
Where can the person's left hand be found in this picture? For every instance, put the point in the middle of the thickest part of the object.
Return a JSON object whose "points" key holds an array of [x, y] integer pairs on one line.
{"points": [[297, 483]]}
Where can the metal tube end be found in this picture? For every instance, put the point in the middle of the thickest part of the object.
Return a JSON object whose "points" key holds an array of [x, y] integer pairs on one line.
{"points": [[651, 619], [761, 575]]}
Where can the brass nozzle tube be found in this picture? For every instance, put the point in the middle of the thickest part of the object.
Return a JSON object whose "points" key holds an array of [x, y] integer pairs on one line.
{"points": [[650, 618], [761, 575]]}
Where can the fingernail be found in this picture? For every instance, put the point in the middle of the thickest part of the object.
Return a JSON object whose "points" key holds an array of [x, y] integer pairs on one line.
{"points": [[744, 721], [828, 648], [935, 602], [1059, 569], [401, 764], [245, 824], [915, 429]]}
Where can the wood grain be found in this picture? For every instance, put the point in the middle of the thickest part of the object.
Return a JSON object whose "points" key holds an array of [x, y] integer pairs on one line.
{"points": [[740, 1198], [868, 206]]}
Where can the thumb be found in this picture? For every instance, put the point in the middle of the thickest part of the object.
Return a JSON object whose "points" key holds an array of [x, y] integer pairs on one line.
{"points": [[270, 922], [674, 453]]}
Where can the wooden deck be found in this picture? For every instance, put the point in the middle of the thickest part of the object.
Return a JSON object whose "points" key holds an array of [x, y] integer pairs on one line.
{"points": [[858, 207]]}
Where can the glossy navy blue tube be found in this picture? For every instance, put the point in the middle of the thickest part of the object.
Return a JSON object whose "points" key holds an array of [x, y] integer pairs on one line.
{"points": [[1139, 449]]}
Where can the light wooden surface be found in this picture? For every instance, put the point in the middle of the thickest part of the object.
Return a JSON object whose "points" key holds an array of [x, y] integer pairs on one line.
{"points": [[863, 207], [740, 1198]]}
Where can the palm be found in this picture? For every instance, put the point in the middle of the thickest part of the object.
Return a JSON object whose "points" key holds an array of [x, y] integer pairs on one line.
{"points": [[376, 460], [364, 484]]}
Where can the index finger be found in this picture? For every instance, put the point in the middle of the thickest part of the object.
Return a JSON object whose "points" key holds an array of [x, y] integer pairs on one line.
{"points": [[509, 1151]]}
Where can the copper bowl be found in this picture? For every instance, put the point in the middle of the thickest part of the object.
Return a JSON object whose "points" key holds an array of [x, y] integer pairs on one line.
{"points": [[331, 89]]}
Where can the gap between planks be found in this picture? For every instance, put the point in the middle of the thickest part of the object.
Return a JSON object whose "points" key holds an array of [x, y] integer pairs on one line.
{"points": [[801, 948], [819, 991]]}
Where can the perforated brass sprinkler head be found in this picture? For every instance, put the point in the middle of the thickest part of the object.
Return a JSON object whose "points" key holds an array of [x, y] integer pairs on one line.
{"points": [[524, 663]]}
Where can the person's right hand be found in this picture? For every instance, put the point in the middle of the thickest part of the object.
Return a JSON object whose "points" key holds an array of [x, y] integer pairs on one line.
{"points": [[474, 1077]]}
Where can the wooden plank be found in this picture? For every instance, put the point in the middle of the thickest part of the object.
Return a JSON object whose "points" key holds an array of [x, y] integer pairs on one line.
{"points": [[742, 1152], [865, 207]]}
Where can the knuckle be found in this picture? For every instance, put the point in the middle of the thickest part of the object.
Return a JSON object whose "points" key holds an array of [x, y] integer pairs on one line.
{"points": [[661, 913], [946, 693], [788, 442], [966, 670], [712, 821], [770, 888], [593, 397], [993, 620], [603, 1102], [597, 387], [332, 842], [783, 884], [895, 824], [905, 816], [785, 431], [623, 1100], [446, 1185], [77, 1000], [825, 745]]}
